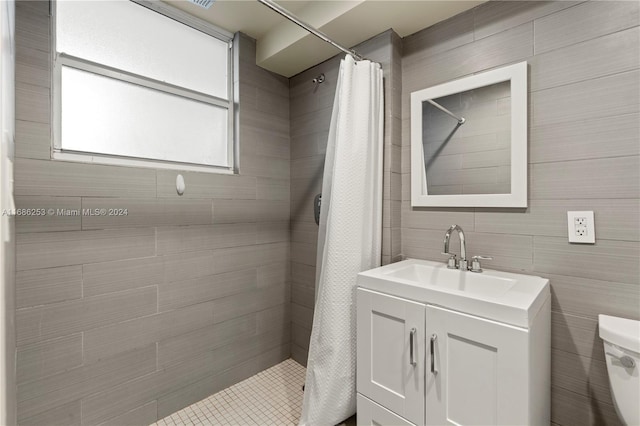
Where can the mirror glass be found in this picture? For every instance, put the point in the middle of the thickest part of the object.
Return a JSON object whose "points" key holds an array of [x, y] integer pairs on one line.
{"points": [[469, 141], [466, 140]]}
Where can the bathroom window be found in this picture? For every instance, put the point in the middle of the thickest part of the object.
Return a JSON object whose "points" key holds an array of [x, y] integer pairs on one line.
{"points": [[135, 86]]}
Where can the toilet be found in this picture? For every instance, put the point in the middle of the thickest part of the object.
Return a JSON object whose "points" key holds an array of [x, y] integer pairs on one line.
{"points": [[621, 339]]}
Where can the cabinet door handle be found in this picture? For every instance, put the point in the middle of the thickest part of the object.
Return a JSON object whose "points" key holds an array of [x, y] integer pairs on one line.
{"points": [[433, 354], [412, 359]]}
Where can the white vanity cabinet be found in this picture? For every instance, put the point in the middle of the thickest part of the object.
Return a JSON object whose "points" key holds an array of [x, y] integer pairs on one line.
{"points": [[391, 353], [478, 372], [464, 369]]}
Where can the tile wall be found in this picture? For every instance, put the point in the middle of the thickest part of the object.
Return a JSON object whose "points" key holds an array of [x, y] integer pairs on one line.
{"points": [[7, 222], [584, 99], [134, 317]]}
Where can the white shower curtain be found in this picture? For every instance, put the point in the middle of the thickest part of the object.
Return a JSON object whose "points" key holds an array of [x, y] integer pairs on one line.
{"points": [[349, 240]]}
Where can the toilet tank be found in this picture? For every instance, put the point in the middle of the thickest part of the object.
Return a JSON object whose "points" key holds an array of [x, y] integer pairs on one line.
{"points": [[621, 339]]}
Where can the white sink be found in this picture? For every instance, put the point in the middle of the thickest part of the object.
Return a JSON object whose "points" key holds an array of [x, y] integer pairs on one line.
{"points": [[453, 279], [511, 298]]}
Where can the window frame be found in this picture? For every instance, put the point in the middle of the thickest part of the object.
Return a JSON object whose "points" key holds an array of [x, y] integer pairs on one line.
{"points": [[61, 59]]}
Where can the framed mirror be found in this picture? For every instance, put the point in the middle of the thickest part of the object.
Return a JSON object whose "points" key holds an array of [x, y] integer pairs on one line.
{"points": [[469, 141]]}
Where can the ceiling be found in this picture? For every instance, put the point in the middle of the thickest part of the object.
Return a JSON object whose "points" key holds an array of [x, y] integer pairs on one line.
{"points": [[286, 49]]}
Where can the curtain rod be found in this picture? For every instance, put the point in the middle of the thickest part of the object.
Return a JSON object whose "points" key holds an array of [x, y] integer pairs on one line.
{"points": [[284, 12], [461, 120]]}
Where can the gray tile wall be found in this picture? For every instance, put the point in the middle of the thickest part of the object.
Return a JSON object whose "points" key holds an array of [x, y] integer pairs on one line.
{"points": [[310, 118], [123, 320], [8, 297], [583, 155]]}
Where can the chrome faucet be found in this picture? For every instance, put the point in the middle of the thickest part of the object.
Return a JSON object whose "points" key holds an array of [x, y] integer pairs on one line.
{"points": [[462, 263]]}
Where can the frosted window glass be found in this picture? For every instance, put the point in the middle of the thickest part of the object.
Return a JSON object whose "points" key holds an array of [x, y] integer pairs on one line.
{"points": [[130, 37], [107, 116]]}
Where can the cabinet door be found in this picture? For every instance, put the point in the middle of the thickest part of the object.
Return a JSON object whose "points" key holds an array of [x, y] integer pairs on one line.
{"points": [[371, 414], [479, 374], [389, 373]]}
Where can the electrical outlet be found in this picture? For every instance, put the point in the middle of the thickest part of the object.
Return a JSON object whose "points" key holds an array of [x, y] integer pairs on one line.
{"points": [[581, 227]]}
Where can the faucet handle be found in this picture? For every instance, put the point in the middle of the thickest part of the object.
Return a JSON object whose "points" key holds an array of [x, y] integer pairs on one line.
{"points": [[451, 263], [475, 263]]}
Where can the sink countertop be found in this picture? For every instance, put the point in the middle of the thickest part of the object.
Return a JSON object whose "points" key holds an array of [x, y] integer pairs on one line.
{"points": [[501, 296]]}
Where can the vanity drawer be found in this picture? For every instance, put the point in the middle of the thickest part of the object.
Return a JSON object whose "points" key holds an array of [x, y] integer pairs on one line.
{"points": [[370, 414]]}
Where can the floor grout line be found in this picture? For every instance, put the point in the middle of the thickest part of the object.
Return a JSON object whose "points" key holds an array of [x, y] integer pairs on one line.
{"points": [[273, 396]]}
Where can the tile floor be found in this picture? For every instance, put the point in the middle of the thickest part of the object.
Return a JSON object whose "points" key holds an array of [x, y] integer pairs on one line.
{"points": [[271, 397]]}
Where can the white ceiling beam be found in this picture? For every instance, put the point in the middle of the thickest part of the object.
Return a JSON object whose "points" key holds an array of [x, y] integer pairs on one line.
{"points": [[286, 49]]}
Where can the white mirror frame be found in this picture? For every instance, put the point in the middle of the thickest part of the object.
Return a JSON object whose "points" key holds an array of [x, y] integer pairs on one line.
{"points": [[517, 74]]}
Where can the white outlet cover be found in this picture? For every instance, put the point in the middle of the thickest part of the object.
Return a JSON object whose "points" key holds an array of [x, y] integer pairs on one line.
{"points": [[578, 233]]}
